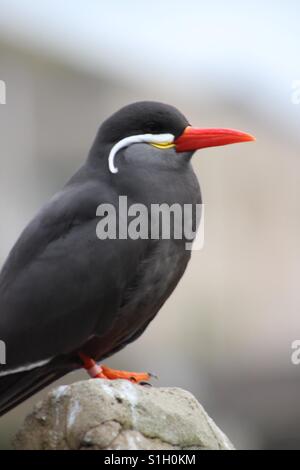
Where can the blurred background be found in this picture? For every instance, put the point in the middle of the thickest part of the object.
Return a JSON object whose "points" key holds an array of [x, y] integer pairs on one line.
{"points": [[226, 332]]}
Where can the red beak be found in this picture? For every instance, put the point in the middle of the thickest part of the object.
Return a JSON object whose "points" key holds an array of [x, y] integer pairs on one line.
{"points": [[193, 138]]}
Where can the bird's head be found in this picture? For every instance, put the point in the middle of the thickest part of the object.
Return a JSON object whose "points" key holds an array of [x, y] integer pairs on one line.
{"points": [[163, 127]]}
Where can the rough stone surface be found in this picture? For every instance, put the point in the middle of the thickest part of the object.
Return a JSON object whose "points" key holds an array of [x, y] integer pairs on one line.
{"points": [[101, 414]]}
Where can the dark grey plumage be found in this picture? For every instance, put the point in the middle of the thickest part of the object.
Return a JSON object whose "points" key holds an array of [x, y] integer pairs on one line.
{"points": [[62, 289]]}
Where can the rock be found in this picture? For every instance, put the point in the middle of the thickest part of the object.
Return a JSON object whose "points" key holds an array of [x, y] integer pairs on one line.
{"points": [[102, 414]]}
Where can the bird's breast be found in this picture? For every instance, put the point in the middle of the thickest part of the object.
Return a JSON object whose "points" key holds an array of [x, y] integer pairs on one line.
{"points": [[155, 280]]}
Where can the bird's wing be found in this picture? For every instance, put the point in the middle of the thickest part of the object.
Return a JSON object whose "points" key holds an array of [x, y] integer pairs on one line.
{"points": [[60, 280]]}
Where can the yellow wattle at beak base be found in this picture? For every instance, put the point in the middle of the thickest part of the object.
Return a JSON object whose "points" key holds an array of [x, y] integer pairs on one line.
{"points": [[163, 145]]}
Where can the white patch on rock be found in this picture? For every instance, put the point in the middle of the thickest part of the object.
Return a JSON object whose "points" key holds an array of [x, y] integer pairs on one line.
{"points": [[127, 392], [59, 392], [108, 390], [73, 412]]}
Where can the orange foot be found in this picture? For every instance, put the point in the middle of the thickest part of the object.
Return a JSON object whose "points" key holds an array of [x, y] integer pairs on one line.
{"points": [[103, 372], [136, 377]]}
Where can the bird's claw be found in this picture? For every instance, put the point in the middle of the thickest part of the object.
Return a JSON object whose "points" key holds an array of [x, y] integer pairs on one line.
{"points": [[145, 384], [152, 376]]}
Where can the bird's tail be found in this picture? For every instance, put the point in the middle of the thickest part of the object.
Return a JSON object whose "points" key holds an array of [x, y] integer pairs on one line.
{"points": [[16, 388]]}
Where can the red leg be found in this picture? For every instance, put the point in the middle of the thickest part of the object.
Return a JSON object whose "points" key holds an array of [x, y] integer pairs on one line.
{"points": [[103, 372], [92, 368]]}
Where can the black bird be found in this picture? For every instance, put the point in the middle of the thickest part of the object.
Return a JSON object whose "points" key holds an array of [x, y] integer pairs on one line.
{"points": [[69, 299]]}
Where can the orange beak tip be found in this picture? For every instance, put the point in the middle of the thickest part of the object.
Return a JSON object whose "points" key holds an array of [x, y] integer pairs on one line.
{"points": [[249, 137]]}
